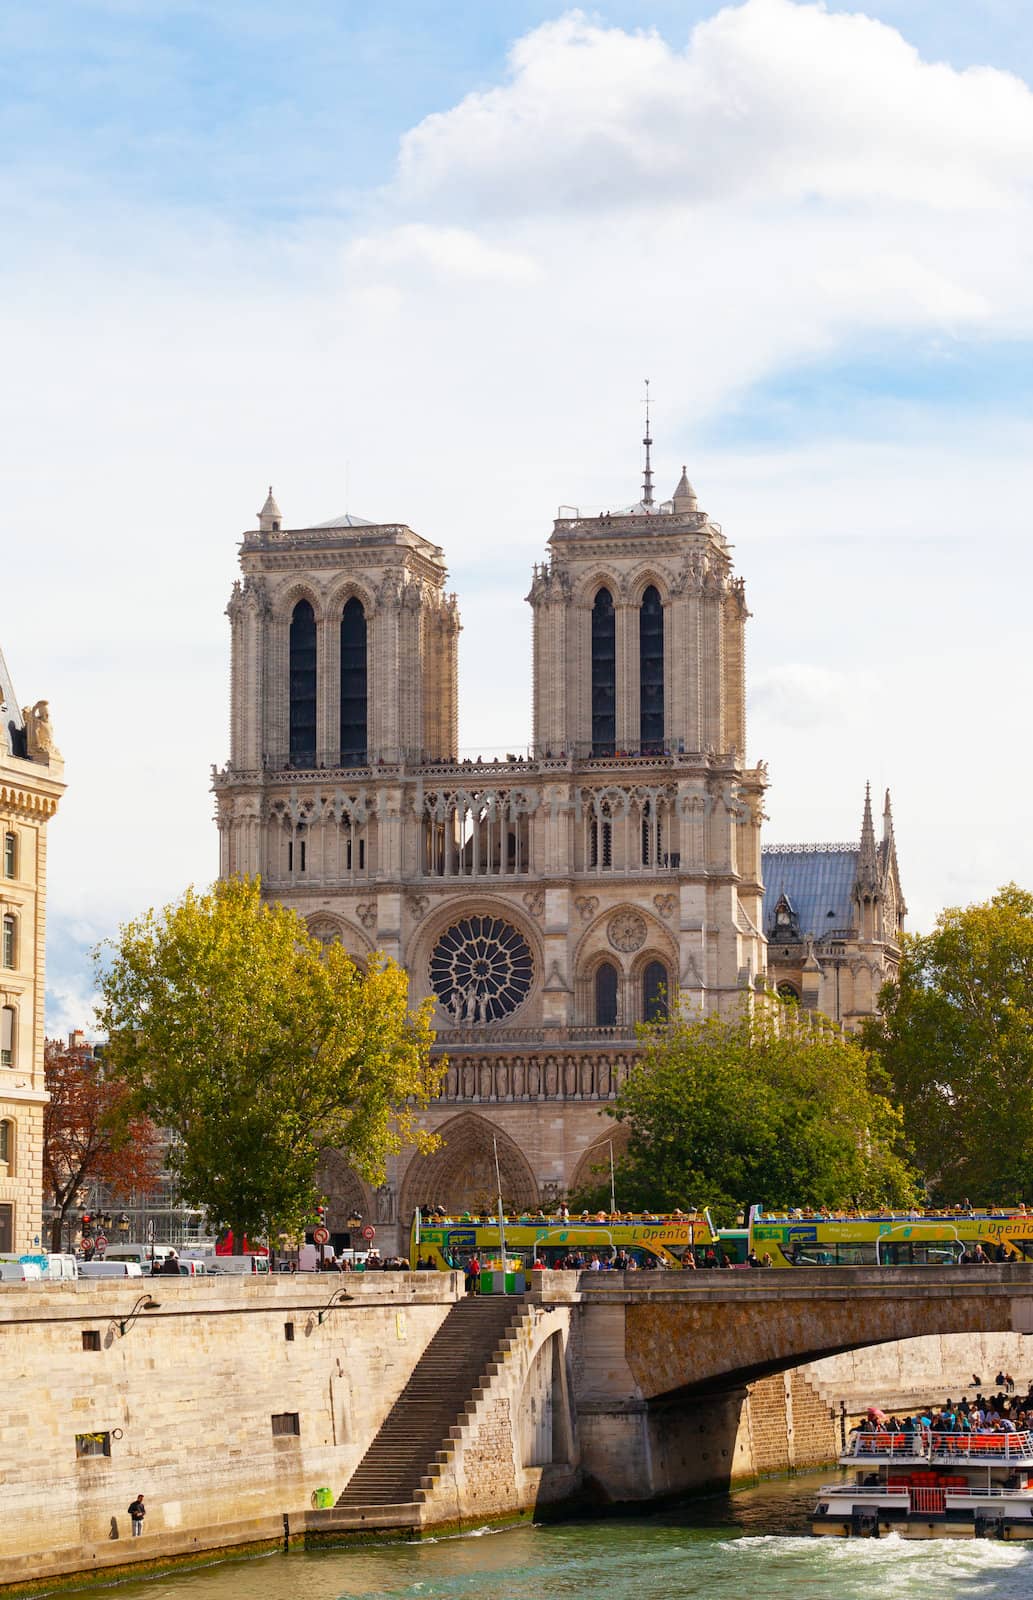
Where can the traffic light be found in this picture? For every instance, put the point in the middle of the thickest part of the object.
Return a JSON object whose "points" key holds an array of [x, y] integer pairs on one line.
{"points": [[86, 1221], [321, 1216]]}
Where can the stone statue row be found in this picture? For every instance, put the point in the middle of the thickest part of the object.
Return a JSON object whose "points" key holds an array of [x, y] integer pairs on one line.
{"points": [[582, 1077]]}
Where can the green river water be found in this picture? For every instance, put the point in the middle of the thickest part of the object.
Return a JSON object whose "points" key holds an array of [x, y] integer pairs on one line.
{"points": [[750, 1545]]}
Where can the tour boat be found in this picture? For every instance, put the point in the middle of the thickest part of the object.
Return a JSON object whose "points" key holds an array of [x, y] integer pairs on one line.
{"points": [[928, 1485]]}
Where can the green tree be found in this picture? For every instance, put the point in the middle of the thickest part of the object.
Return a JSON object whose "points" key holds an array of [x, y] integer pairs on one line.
{"points": [[955, 1036], [777, 1108], [257, 1048]]}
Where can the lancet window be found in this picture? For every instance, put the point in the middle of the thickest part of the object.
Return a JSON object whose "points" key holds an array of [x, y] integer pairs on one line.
{"points": [[651, 672], [604, 675], [302, 647], [354, 736], [654, 992], [606, 995], [477, 835], [321, 843]]}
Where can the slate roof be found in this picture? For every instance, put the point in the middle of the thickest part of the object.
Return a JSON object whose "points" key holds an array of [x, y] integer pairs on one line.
{"points": [[818, 881], [12, 725], [348, 521]]}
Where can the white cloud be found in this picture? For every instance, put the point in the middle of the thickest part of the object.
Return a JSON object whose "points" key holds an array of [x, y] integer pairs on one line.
{"points": [[786, 185], [769, 100], [451, 252]]}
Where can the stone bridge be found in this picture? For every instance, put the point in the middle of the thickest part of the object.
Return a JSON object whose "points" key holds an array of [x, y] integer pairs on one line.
{"points": [[666, 1365]]}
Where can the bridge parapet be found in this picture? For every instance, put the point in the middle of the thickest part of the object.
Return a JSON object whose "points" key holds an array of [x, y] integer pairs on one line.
{"points": [[692, 1332]]}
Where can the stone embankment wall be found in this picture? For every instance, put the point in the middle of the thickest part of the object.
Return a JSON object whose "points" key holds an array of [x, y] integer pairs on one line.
{"points": [[899, 1375], [515, 1446], [183, 1403], [228, 1402]]}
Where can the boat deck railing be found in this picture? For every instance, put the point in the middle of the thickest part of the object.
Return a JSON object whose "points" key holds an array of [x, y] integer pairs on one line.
{"points": [[986, 1449]]}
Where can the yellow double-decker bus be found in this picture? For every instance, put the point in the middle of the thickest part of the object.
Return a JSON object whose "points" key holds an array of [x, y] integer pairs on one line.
{"points": [[655, 1242], [890, 1239]]}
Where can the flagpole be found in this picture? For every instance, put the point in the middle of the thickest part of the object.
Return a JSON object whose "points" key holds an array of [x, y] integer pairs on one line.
{"points": [[613, 1186], [502, 1220]]}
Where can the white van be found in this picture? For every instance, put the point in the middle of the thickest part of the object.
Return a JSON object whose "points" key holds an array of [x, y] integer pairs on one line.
{"points": [[141, 1253], [240, 1266], [61, 1266], [110, 1269], [19, 1272]]}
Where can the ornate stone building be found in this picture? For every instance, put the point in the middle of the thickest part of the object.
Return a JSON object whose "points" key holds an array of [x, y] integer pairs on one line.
{"points": [[833, 915], [548, 903], [31, 784]]}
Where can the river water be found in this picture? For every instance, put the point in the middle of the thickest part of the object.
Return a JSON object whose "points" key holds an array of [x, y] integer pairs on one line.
{"points": [[750, 1545]]}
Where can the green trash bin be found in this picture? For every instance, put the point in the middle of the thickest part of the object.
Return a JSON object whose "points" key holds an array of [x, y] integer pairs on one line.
{"points": [[323, 1498]]}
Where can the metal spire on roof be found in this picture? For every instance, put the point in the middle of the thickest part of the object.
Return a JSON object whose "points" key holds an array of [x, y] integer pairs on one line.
{"points": [[647, 476]]}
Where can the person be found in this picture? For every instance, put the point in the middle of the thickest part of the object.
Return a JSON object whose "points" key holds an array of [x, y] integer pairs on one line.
{"points": [[752, 1259], [473, 1275], [137, 1512], [170, 1266]]}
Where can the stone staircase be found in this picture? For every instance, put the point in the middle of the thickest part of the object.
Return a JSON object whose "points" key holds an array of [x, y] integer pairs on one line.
{"points": [[416, 1439]]}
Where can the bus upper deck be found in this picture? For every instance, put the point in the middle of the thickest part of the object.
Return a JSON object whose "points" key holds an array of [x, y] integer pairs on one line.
{"points": [[648, 1241], [891, 1238]]}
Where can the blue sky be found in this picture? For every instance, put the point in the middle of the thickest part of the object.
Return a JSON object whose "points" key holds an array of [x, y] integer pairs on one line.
{"points": [[414, 260]]}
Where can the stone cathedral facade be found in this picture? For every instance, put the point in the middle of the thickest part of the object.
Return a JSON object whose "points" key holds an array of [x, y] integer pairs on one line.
{"points": [[547, 903]]}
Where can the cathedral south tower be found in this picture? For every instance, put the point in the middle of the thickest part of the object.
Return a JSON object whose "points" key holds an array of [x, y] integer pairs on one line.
{"points": [[548, 903]]}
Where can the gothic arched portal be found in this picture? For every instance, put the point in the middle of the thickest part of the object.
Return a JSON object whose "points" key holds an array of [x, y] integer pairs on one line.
{"points": [[346, 1195], [460, 1174]]}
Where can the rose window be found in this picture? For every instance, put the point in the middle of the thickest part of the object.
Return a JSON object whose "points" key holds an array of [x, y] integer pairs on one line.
{"points": [[481, 969]]}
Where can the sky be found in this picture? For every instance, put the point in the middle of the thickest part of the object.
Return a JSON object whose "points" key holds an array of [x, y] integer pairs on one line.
{"points": [[414, 260]]}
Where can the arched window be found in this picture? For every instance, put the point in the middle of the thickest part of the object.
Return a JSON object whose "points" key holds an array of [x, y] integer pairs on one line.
{"points": [[7, 1024], [604, 675], [9, 941], [303, 686], [789, 993], [654, 992], [651, 673], [606, 995], [354, 744], [7, 1145]]}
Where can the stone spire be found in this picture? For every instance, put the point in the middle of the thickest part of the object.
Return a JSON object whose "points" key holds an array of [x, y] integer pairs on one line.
{"points": [[868, 859], [684, 497], [889, 843], [270, 519]]}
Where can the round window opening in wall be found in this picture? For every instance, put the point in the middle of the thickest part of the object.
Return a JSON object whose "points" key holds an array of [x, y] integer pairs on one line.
{"points": [[481, 969]]}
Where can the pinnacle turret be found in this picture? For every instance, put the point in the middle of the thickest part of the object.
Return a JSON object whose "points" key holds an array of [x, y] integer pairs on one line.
{"points": [[868, 858], [684, 498], [270, 518]]}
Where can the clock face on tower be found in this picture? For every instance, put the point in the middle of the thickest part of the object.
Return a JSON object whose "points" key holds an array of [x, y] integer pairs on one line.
{"points": [[481, 969]]}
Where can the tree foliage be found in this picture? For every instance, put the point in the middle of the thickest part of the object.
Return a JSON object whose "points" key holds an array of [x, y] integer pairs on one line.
{"points": [[956, 1039], [775, 1109], [259, 1047], [89, 1135]]}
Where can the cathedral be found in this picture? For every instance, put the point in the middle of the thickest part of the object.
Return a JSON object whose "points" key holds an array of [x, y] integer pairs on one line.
{"points": [[549, 902]]}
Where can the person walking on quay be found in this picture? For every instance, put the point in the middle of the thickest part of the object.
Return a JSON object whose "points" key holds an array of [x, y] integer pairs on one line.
{"points": [[137, 1512]]}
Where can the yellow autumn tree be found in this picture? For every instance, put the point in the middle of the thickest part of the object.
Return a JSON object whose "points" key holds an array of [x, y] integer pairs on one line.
{"points": [[257, 1047]]}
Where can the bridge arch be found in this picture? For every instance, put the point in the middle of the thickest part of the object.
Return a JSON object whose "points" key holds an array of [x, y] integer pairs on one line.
{"points": [[713, 1334]]}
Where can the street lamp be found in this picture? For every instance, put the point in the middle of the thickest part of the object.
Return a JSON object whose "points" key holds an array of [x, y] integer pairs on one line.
{"points": [[338, 1298], [145, 1303]]}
